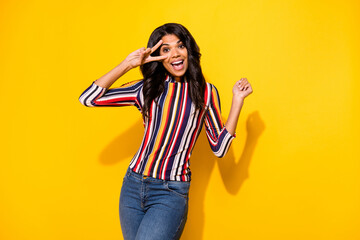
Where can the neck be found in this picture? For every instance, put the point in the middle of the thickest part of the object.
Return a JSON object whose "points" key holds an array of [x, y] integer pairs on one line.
{"points": [[177, 79]]}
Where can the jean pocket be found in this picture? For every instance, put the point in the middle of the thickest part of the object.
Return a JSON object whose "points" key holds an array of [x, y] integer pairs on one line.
{"points": [[179, 188]]}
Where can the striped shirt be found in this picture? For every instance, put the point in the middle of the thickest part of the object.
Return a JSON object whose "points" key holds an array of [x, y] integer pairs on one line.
{"points": [[172, 127]]}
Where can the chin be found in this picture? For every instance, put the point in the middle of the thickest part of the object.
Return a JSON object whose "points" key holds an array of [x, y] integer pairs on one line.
{"points": [[178, 75]]}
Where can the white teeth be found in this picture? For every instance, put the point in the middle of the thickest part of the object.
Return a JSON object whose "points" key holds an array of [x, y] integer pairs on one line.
{"points": [[178, 62]]}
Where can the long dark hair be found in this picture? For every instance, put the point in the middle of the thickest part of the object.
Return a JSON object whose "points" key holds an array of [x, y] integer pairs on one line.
{"points": [[154, 73]]}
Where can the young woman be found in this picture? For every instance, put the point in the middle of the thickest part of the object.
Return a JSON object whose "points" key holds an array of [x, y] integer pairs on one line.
{"points": [[175, 101]]}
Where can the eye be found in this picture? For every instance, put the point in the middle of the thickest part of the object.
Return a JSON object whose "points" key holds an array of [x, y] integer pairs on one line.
{"points": [[165, 50], [181, 46]]}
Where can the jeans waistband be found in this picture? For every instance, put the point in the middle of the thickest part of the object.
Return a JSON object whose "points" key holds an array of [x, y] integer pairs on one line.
{"points": [[142, 177]]}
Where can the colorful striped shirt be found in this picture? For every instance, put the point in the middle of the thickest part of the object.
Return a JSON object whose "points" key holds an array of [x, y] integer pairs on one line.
{"points": [[172, 127]]}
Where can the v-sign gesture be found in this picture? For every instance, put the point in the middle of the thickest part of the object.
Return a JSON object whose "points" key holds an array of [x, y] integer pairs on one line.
{"points": [[142, 56], [134, 59]]}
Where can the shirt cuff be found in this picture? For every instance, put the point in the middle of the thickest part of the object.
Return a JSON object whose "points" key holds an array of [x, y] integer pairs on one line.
{"points": [[94, 83], [227, 133]]}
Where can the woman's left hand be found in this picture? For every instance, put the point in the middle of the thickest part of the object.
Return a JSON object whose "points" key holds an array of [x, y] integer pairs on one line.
{"points": [[242, 89]]}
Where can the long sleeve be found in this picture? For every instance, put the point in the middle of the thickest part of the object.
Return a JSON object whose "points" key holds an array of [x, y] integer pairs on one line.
{"points": [[129, 94], [219, 138]]}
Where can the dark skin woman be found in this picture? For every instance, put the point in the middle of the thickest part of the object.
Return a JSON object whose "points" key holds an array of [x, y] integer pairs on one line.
{"points": [[175, 102]]}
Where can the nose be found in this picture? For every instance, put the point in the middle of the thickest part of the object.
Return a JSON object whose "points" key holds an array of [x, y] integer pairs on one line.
{"points": [[175, 53]]}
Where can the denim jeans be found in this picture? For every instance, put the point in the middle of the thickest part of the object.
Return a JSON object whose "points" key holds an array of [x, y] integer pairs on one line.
{"points": [[152, 208]]}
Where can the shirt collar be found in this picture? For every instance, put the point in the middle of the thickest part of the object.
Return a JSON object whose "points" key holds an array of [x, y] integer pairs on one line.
{"points": [[171, 79]]}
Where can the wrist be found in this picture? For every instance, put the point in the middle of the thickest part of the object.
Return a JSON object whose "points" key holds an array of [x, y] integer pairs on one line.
{"points": [[125, 65], [238, 100], [236, 106]]}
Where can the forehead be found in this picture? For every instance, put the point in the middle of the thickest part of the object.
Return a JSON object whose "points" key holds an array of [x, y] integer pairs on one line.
{"points": [[170, 39]]}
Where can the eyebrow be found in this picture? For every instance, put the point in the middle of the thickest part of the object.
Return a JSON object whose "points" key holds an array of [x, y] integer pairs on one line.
{"points": [[169, 44]]}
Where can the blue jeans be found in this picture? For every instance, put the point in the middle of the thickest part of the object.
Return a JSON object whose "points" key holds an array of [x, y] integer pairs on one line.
{"points": [[152, 208]]}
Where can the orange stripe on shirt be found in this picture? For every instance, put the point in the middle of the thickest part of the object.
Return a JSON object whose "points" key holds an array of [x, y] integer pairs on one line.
{"points": [[164, 120]]}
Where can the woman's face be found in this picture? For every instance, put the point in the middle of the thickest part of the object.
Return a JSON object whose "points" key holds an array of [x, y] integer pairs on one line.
{"points": [[176, 62]]}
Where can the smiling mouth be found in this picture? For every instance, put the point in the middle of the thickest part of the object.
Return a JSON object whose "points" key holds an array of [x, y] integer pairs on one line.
{"points": [[178, 65]]}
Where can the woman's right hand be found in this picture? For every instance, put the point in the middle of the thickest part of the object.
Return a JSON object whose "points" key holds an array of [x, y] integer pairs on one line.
{"points": [[134, 59], [142, 56]]}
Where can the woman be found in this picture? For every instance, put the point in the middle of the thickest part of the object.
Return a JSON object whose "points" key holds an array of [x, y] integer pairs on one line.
{"points": [[175, 101]]}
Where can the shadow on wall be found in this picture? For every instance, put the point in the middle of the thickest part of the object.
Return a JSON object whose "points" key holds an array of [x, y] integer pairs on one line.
{"points": [[124, 145], [233, 172]]}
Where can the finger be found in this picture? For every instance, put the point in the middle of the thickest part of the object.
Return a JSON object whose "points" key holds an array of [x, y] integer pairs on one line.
{"points": [[242, 85], [142, 54], [157, 58], [147, 52], [239, 86], [247, 86], [242, 80], [153, 49]]}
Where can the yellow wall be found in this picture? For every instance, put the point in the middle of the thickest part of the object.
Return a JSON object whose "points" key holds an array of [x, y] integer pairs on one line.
{"points": [[292, 172]]}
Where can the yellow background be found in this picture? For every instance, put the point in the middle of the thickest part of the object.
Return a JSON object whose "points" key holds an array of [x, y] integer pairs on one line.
{"points": [[291, 173]]}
